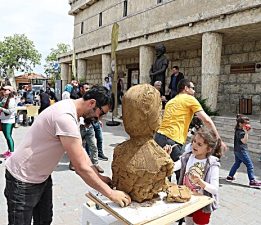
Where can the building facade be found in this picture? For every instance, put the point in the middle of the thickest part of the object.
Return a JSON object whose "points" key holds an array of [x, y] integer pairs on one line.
{"points": [[216, 44]]}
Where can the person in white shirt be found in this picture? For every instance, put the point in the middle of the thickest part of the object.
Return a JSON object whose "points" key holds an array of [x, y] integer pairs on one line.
{"points": [[200, 171], [107, 83]]}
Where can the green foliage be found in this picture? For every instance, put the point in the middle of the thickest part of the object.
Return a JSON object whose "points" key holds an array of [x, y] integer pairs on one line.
{"points": [[52, 58], [17, 52], [206, 108], [82, 80]]}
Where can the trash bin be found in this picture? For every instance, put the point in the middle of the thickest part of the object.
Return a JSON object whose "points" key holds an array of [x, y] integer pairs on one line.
{"points": [[245, 106]]}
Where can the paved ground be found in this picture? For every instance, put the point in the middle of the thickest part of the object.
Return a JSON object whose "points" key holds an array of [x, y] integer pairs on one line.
{"points": [[239, 204]]}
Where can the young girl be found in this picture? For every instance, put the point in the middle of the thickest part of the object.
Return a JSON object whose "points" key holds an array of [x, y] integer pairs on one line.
{"points": [[7, 116], [200, 172], [241, 152]]}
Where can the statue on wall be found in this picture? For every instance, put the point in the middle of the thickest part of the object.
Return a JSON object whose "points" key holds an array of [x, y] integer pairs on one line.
{"points": [[140, 166], [158, 68]]}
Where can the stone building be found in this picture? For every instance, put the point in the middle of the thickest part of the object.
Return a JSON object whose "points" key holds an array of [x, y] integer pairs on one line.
{"points": [[216, 44]]}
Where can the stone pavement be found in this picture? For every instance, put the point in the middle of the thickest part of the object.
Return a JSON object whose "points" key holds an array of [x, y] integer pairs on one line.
{"points": [[239, 204]]}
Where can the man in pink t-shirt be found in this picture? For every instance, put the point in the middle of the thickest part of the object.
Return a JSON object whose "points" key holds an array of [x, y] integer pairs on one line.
{"points": [[56, 130]]}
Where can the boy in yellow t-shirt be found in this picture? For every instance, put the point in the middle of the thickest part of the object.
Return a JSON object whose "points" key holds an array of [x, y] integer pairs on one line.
{"points": [[178, 114]]}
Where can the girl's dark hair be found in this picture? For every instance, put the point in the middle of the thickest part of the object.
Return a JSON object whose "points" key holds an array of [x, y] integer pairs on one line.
{"points": [[212, 141], [241, 119], [100, 94]]}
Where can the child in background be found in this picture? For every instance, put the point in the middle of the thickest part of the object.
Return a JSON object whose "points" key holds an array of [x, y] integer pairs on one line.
{"points": [[21, 114], [241, 151], [200, 172]]}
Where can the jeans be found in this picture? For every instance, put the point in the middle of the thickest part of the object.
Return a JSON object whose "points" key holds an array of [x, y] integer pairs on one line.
{"points": [[177, 151], [98, 136], [88, 139], [243, 156], [26, 201]]}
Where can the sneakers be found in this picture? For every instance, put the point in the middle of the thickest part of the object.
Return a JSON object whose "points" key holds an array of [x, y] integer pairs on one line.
{"points": [[102, 157], [230, 179], [255, 184], [6, 154], [99, 169]]}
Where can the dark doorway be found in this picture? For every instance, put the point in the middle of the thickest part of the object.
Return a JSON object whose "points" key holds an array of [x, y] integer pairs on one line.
{"points": [[133, 75]]}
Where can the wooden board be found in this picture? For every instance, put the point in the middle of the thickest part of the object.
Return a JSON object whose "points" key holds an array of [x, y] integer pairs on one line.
{"points": [[159, 212]]}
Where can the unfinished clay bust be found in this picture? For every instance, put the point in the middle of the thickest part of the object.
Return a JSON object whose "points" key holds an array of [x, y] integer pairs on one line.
{"points": [[140, 166]]}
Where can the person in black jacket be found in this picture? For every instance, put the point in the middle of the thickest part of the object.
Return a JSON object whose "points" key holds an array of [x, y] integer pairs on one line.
{"points": [[44, 101], [174, 80]]}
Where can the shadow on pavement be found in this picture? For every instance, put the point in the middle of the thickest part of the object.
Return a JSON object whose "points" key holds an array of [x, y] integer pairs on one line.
{"points": [[222, 181]]}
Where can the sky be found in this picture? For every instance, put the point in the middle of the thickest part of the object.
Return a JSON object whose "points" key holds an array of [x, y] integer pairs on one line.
{"points": [[45, 22]]}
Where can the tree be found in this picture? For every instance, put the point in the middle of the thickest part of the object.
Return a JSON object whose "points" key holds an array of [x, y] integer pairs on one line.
{"points": [[52, 68], [17, 53]]}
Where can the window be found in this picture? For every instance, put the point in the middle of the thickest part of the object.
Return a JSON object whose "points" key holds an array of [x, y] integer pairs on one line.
{"points": [[125, 8], [100, 19], [159, 1], [82, 25]]}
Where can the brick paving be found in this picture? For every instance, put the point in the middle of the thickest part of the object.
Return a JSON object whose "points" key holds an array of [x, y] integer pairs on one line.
{"points": [[239, 204]]}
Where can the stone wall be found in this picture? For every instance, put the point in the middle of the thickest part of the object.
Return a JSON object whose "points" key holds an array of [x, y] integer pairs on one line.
{"points": [[94, 70], [234, 86], [231, 86], [148, 17]]}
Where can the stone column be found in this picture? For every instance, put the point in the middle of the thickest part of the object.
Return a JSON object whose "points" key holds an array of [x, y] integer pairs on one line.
{"points": [[146, 60], [81, 69], [106, 65], [211, 59], [64, 72], [70, 74]]}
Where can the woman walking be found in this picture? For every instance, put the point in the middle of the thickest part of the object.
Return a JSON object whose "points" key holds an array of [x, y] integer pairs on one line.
{"points": [[7, 116]]}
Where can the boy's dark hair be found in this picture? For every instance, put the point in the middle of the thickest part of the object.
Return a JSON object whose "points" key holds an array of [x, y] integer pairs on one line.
{"points": [[175, 67], [241, 119], [212, 141], [100, 93], [22, 98], [82, 84], [182, 84]]}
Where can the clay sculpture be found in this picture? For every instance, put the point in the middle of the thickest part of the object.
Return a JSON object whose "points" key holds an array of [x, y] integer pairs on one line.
{"points": [[140, 166], [178, 193]]}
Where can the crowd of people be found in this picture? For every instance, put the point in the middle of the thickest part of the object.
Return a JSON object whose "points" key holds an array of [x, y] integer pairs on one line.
{"points": [[74, 124]]}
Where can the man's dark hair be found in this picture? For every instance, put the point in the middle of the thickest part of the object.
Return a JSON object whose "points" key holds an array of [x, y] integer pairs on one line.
{"points": [[82, 84], [175, 67], [182, 84], [100, 94]]}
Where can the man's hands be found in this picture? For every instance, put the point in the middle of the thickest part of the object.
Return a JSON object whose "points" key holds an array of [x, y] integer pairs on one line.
{"points": [[120, 198]]}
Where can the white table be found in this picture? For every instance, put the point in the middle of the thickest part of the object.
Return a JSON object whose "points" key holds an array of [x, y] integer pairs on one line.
{"points": [[159, 212], [92, 216]]}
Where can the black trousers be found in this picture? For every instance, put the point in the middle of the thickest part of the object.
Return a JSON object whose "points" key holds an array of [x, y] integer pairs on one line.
{"points": [[177, 151], [26, 201]]}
